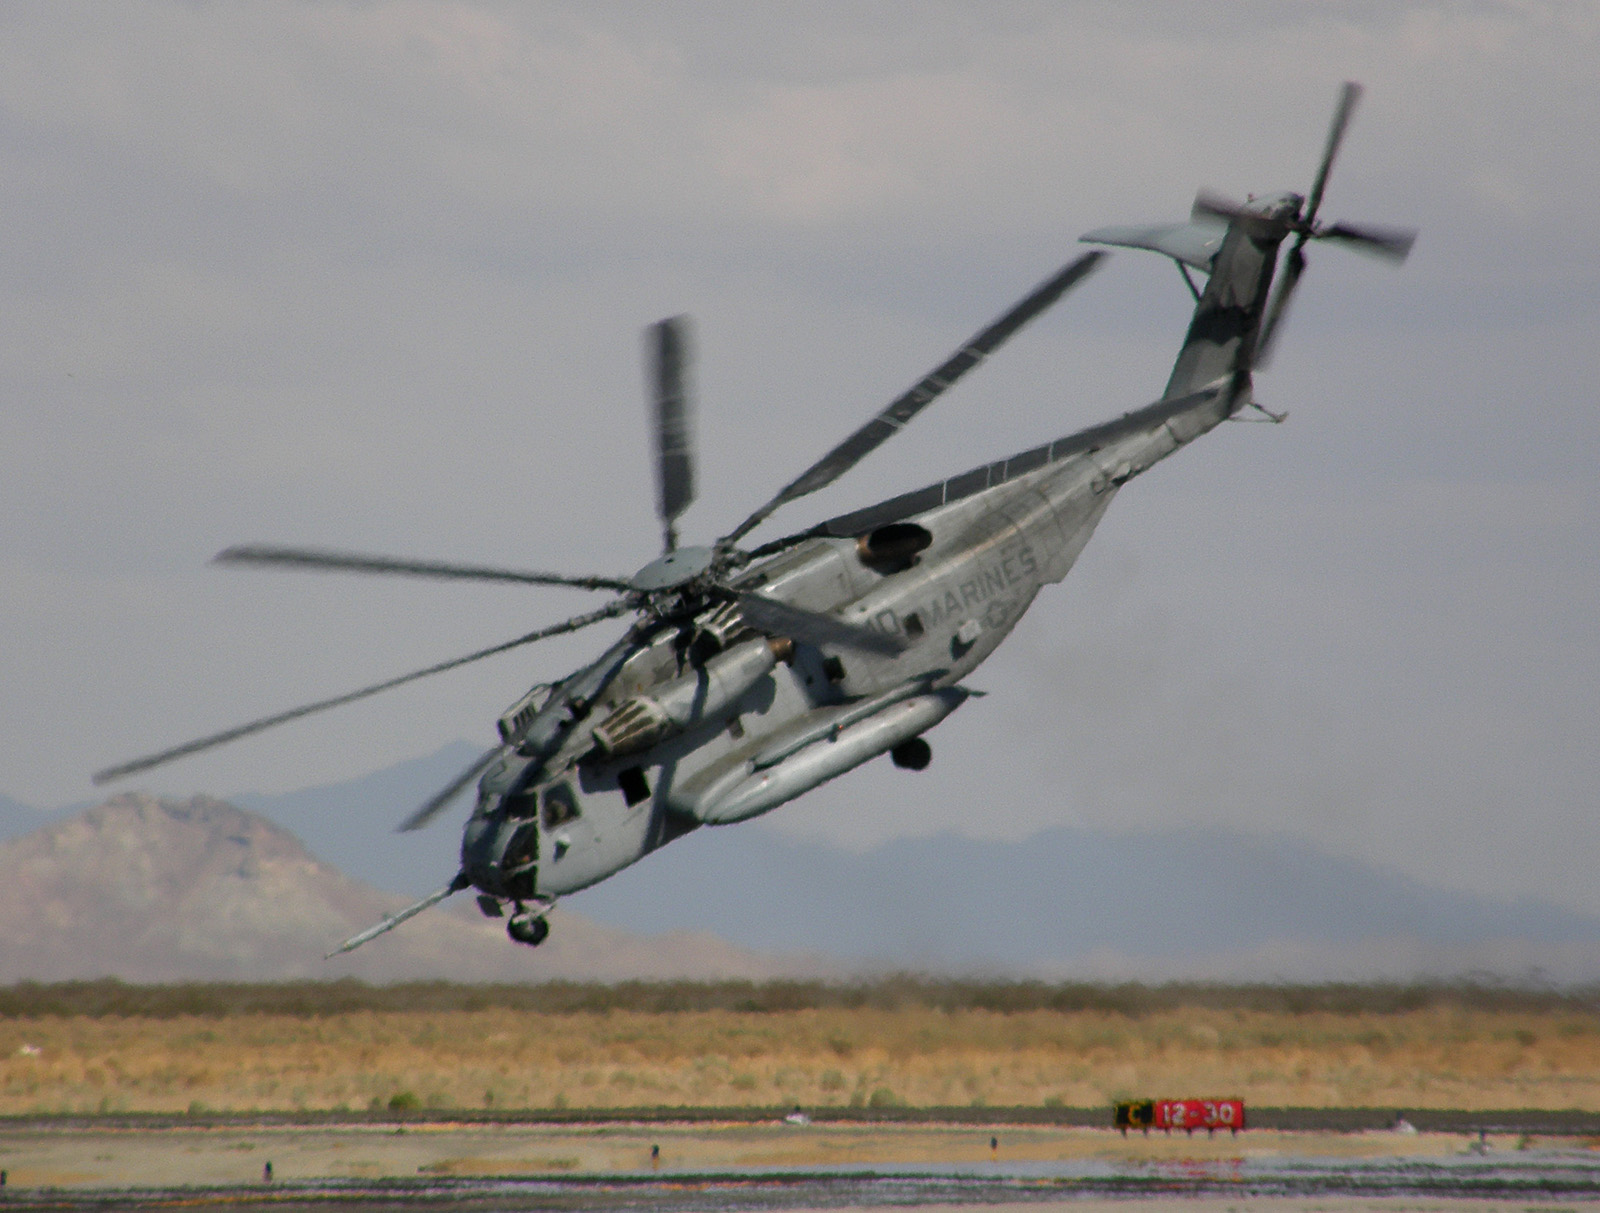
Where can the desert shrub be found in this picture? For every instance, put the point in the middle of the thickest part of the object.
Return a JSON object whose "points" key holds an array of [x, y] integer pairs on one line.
{"points": [[314, 999]]}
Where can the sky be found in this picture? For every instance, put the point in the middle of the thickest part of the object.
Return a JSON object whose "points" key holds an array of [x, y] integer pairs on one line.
{"points": [[374, 276]]}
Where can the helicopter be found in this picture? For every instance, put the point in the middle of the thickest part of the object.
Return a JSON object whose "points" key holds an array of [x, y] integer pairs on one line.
{"points": [[748, 676]]}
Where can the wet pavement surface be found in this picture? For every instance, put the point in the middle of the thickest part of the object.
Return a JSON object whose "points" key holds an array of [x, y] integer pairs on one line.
{"points": [[775, 1168], [1526, 1183]]}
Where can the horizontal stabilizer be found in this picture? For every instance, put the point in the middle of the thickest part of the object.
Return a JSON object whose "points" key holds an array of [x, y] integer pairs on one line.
{"points": [[1194, 243]]}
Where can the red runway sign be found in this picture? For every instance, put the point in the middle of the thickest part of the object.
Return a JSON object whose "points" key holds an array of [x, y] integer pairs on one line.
{"points": [[1192, 1114]]}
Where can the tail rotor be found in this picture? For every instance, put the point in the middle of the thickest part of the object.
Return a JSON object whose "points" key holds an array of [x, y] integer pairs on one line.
{"points": [[1393, 244]]}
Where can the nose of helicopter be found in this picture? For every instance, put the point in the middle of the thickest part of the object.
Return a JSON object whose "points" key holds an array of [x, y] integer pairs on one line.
{"points": [[498, 854]]}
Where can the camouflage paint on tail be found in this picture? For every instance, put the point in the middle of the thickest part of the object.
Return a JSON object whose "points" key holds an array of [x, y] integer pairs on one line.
{"points": [[1240, 253], [1222, 335]]}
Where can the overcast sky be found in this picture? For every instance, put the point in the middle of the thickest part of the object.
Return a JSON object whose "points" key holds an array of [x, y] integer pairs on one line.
{"points": [[373, 276]]}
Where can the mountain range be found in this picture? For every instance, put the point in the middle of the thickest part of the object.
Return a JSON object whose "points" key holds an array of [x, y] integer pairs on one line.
{"points": [[164, 890], [1065, 903], [1076, 903]]}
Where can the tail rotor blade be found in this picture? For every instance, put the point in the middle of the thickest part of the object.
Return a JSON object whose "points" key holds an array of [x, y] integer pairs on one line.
{"points": [[1349, 95], [1391, 243], [667, 342], [1294, 266], [1211, 205], [266, 722]]}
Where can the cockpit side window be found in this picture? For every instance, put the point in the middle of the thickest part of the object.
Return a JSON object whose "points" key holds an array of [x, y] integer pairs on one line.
{"points": [[521, 805], [560, 805], [523, 850]]}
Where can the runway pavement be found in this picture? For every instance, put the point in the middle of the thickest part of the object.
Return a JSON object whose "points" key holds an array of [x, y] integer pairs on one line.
{"points": [[776, 1166]]}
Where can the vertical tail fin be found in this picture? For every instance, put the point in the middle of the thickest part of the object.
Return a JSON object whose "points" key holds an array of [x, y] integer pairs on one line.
{"points": [[1225, 337], [1239, 251], [1227, 319]]}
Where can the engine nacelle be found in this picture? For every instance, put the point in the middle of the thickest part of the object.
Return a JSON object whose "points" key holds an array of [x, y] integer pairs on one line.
{"points": [[700, 695]]}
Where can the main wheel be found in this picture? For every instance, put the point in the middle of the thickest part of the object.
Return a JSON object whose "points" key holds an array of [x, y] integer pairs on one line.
{"points": [[531, 931], [913, 755]]}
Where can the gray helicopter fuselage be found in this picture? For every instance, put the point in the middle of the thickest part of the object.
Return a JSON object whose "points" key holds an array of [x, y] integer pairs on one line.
{"points": [[762, 722]]}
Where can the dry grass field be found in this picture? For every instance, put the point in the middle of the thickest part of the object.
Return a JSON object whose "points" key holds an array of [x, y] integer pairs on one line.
{"points": [[69, 1053]]}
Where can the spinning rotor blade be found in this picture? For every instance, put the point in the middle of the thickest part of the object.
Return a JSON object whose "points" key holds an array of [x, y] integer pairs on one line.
{"points": [[451, 790], [266, 722], [668, 345], [352, 562], [1392, 243], [1211, 205], [813, 627], [883, 426], [1208, 204], [1349, 95], [1294, 265]]}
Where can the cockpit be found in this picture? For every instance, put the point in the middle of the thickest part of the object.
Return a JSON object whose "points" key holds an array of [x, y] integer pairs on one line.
{"points": [[559, 805]]}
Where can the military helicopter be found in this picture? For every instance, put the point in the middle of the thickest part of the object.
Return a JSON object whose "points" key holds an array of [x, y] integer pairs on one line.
{"points": [[749, 676]]}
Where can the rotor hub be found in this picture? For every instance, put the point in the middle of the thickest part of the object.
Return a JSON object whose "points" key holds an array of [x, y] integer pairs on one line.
{"points": [[678, 567]]}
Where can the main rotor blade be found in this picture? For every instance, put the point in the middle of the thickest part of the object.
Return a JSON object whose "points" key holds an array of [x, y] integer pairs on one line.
{"points": [[891, 419], [354, 562], [813, 627], [610, 610], [451, 790], [668, 344], [1349, 95], [1393, 243]]}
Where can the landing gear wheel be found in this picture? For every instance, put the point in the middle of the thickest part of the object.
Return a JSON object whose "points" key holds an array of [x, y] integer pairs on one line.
{"points": [[913, 755], [531, 931]]}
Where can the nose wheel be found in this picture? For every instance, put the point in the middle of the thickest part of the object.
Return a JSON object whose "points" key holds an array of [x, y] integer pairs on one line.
{"points": [[528, 929]]}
